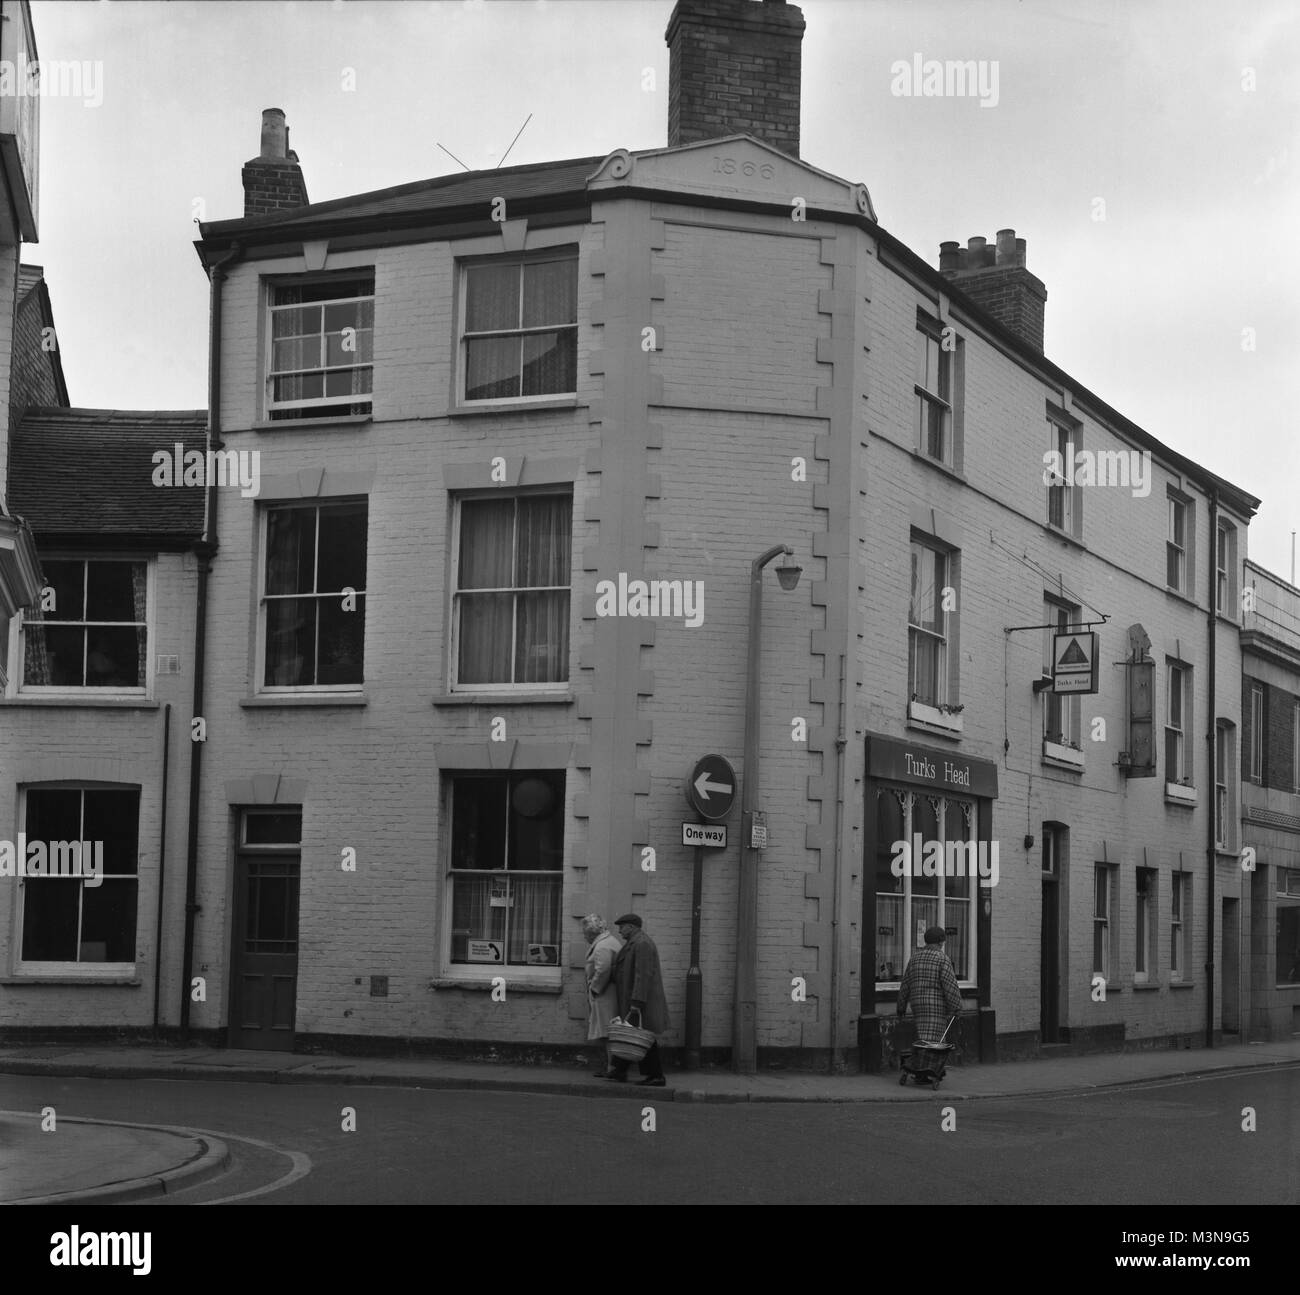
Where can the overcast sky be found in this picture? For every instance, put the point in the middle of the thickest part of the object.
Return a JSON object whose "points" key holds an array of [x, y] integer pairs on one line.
{"points": [[1144, 104]]}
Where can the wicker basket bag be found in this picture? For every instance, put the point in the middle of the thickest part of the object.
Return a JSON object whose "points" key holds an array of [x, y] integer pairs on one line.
{"points": [[629, 1042]]}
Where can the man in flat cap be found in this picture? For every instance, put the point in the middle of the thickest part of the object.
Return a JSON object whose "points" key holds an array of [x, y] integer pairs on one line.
{"points": [[640, 989], [930, 985]]}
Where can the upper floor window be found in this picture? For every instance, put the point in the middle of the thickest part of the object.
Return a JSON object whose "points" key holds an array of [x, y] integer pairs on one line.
{"points": [[511, 599], [1295, 747], [1178, 755], [1177, 545], [519, 335], [321, 347], [90, 627], [1223, 763], [1225, 570], [1064, 494], [1060, 710], [81, 914], [936, 350], [1256, 733], [928, 625], [313, 597]]}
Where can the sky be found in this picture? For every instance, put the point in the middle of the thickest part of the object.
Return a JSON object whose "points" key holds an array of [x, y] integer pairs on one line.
{"points": [[1147, 150]]}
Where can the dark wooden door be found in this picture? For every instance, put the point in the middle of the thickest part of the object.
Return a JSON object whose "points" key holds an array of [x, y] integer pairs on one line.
{"points": [[1049, 974], [264, 961]]}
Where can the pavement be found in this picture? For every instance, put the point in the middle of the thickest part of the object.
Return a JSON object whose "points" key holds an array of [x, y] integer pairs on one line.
{"points": [[101, 1162]]}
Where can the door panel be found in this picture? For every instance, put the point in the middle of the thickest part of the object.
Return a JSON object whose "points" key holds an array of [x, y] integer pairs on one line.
{"points": [[264, 959]]}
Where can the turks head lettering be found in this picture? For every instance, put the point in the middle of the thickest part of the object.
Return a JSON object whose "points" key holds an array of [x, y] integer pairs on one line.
{"points": [[946, 859], [683, 599]]}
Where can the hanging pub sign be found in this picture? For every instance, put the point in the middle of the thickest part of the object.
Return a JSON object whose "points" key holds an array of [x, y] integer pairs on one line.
{"points": [[1074, 662]]}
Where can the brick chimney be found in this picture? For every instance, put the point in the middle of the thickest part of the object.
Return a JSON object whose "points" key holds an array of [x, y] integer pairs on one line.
{"points": [[734, 68], [995, 279], [273, 179]]}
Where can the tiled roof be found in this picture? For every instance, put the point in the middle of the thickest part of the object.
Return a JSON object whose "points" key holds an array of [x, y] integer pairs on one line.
{"points": [[90, 472], [444, 192], [28, 277]]}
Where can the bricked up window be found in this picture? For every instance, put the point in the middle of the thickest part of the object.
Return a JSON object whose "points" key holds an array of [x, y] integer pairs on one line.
{"points": [[520, 327], [321, 348]]}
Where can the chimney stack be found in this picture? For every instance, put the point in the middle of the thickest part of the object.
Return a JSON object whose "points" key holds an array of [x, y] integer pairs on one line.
{"points": [[996, 280], [734, 69], [273, 179]]}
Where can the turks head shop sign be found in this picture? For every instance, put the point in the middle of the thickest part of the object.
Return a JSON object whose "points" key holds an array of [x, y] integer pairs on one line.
{"points": [[887, 757]]}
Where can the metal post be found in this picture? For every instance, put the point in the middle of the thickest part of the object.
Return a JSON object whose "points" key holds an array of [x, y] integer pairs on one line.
{"points": [[695, 977], [744, 1049]]}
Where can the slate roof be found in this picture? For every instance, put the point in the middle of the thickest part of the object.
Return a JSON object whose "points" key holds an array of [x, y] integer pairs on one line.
{"points": [[83, 472], [441, 194]]}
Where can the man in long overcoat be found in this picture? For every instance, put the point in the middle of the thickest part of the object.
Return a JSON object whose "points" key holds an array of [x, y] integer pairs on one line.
{"points": [[640, 988]]}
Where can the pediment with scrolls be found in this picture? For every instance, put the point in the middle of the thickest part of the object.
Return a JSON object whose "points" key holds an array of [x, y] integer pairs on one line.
{"points": [[739, 167]]}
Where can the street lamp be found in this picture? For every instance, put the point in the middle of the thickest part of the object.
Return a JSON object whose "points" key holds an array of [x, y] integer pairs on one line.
{"points": [[744, 1051]]}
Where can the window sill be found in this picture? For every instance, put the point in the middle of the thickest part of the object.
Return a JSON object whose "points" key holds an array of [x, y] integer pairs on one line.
{"points": [[1182, 984], [932, 720], [946, 468], [1066, 537], [16, 982], [512, 406], [1225, 855], [1177, 794], [1181, 596], [1063, 757], [486, 986], [76, 703], [1145, 986], [504, 699], [305, 424], [271, 700]]}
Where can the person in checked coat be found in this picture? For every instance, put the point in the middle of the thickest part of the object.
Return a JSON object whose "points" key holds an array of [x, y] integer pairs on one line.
{"points": [[930, 985], [602, 997], [640, 988]]}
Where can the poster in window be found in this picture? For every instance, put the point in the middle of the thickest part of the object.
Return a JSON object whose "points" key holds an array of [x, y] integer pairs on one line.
{"points": [[543, 955], [485, 951], [499, 894]]}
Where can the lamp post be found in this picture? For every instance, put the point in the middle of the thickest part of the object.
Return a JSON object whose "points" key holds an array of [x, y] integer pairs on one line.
{"points": [[744, 1051]]}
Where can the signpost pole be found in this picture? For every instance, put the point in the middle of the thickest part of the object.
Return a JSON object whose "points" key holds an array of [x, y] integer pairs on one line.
{"points": [[695, 977]]}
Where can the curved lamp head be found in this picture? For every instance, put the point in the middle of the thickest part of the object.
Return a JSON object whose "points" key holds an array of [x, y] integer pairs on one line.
{"points": [[788, 574]]}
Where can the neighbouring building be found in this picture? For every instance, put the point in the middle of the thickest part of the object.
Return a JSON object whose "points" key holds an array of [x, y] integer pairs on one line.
{"points": [[1270, 801], [19, 160], [520, 436]]}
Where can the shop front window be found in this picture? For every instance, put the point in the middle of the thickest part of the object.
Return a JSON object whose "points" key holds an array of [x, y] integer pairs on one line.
{"points": [[943, 892], [1288, 926]]}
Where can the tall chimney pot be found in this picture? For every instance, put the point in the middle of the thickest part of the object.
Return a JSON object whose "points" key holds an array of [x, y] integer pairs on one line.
{"points": [[275, 134], [996, 280]]}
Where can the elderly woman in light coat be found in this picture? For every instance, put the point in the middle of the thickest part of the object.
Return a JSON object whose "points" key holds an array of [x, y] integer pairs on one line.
{"points": [[602, 996]]}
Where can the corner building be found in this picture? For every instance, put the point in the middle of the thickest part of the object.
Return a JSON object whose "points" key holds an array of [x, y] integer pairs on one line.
{"points": [[430, 749]]}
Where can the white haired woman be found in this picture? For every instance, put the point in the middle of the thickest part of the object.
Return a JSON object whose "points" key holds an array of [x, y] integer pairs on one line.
{"points": [[602, 996]]}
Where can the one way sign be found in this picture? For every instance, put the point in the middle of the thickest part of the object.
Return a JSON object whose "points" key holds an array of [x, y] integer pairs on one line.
{"points": [[711, 789]]}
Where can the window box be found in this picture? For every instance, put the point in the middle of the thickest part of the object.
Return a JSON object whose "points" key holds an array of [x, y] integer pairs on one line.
{"points": [[1179, 794], [1064, 756], [519, 328], [932, 719]]}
